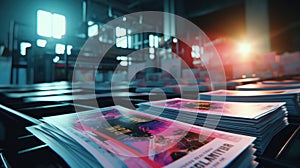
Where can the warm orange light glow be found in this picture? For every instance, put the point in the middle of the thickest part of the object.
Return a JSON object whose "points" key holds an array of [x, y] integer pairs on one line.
{"points": [[244, 48]]}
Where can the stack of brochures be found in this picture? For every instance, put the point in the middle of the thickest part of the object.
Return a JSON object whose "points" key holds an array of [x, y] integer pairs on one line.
{"points": [[182, 88], [154, 89], [120, 137], [290, 96], [176, 89], [261, 120], [268, 86], [290, 81]]}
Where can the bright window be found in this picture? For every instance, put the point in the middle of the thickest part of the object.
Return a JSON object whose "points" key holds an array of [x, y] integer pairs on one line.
{"points": [[151, 40], [195, 51], [124, 60], [154, 41], [23, 47], [121, 42], [120, 31], [56, 59], [93, 30], [69, 49], [41, 43], [121, 38], [50, 24], [60, 49]]}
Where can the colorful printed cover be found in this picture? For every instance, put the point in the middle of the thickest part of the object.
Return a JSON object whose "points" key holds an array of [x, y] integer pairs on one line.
{"points": [[230, 109], [135, 139]]}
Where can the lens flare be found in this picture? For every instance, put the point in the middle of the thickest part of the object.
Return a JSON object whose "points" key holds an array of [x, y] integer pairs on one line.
{"points": [[244, 48]]}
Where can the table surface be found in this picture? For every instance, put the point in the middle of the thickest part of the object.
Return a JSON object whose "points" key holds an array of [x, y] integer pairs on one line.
{"points": [[282, 150]]}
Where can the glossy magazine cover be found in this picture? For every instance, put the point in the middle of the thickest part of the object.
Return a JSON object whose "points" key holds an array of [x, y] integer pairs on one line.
{"points": [[134, 139], [230, 109]]}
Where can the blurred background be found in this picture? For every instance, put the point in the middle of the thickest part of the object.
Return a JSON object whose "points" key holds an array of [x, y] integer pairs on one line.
{"points": [[40, 40]]}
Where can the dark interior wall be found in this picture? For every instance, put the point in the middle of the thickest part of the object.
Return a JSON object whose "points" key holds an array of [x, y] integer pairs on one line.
{"points": [[227, 22], [284, 25], [24, 11]]}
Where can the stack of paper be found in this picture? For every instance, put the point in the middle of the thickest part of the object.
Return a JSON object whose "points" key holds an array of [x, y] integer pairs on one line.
{"points": [[183, 88], [290, 96], [261, 120], [269, 86], [281, 82], [154, 89], [119, 137]]}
